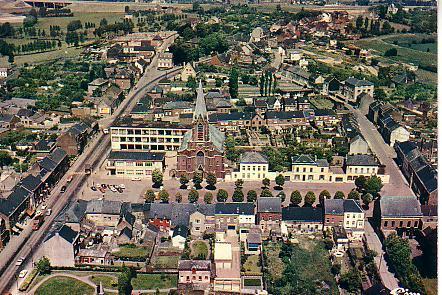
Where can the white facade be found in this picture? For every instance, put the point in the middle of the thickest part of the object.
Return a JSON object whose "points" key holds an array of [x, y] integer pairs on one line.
{"points": [[400, 134]]}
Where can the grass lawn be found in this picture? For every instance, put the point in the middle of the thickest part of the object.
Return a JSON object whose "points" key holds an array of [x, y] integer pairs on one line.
{"points": [[64, 285], [273, 262], [166, 261], [199, 249], [132, 251], [252, 264], [252, 282], [154, 281], [430, 286], [94, 17], [108, 281]]}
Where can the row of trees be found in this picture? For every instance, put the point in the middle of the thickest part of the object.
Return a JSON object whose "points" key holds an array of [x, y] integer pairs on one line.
{"points": [[369, 27], [37, 45], [267, 84]]}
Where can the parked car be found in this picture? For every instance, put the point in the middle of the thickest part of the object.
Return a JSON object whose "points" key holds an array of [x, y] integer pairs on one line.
{"points": [[23, 273], [93, 188], [122, 186], [136, 179], [48, 212], [113, 189], [63, 189], [19, 262]]}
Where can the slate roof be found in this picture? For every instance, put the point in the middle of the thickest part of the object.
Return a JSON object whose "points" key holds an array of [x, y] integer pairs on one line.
{"points": [[25, 113], [57, 155], [181, 230], [361, 160], [400, 206], [78, 128], [126, 232], [303, 160], [269, 205], [284, 115], [65, 232], [47, 164], [215, 136], [44, 145], [418, 163], [31, 182], [235, 209], [235, 116], [406, 147], [341, 206], [9, 204], [358, 83], [194, 264], [324, 112], [428, 177], [76, 212], [103, 207], [302, 214], [200, 106], [299, 72], [253, 158], [136, 156], [429, 210], [177, 213], [176, 105]]}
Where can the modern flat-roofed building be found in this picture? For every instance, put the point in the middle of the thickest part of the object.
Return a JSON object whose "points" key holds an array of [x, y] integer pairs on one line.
{"points": [[129, 135], [141, 164]]}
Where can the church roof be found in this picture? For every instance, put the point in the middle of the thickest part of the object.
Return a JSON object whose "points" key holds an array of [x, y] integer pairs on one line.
{"points": [[200, 106], [215, 136]]}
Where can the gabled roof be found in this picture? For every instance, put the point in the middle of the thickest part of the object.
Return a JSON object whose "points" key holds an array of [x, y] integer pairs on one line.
{"points": [[400, 206], [44, 145], [126, 232], [324, 112], [31, 182], [361, 160], [235, 209], [98, 206], [253, 158], [341, 206], [57, 155], [64, 232], [269, 205], [194, 264], [235, 116], [181, 230], [9, 204], [428, 177], [358, 83], [75, 213], [284, 115], [303, 160], [302, 214]]}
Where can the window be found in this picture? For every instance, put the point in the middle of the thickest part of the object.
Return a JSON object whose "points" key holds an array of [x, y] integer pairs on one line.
{"points": [[385, 223], [408, 223], [200, 132]]}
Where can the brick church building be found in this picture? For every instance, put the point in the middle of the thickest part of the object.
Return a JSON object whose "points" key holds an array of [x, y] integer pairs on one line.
{"points": [[202, 148]]}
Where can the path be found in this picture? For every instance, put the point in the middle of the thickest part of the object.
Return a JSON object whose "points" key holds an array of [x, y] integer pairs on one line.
{"points": [[86, 280]]}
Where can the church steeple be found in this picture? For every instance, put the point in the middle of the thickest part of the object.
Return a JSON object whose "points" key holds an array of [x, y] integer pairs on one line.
{"points": [[200, 106]]}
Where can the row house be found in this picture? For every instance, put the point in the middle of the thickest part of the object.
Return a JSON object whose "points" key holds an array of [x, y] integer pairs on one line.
{"points": [[231, 123], [195, 275], [398, 214], [420, 174], [269, 216], [298, 220], [280, 121], [346, 214], [74, 140], [233, 216]]}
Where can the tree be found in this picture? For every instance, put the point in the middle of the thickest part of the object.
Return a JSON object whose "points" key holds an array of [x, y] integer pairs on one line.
{"points": [[239, 183], [164, 196], [208, 198], [238, 196], [391, 52], [335, 269], [359, 22], [251, 196], [325, 194], [184, 180], [339, 195], [328, 244], [44, 266], [379, 94], [373, 185], [360, 182], [367, 199], [193, 196], [266, 193], [295, 198], [211, 180], [233, 83], [178, 197], [197, 180], [5, 159], [354, 195], [309, 199], [351, 281], [157, 178], [149, 196], [124, 281], [222, 196], [266, 182], [280, 180]]}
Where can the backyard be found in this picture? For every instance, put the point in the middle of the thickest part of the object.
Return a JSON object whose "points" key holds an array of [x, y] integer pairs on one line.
{"points": [[252, 265], [132, 252], [199, 250], [141, 282], [164, 262], [289, 268]]}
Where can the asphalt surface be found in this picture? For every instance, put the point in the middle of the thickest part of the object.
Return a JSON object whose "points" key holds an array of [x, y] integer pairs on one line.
{"points": [[28, 241]]}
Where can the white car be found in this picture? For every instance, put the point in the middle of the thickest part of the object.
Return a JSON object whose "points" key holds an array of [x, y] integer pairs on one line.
{"points": [[136, 178], [23, 273], [113, 189], [48, 212], [122, 186], [44, 206], [19, 262]]}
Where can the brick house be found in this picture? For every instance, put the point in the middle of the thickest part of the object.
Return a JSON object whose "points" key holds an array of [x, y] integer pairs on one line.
{"points": [[194, 275], [74, 139], [269, 215]]}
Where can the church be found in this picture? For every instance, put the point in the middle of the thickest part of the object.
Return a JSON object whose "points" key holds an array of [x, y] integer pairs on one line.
{"points": [[202, 148]]}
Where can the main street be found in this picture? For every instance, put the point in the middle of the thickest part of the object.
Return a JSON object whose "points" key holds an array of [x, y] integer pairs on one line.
{"points": [[28, 241]]}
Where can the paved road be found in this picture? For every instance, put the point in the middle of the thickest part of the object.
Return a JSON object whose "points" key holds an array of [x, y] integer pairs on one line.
{"points": [[375, 244], [26, 244]]}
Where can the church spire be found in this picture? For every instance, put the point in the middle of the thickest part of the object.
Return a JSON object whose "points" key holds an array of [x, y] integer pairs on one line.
{"points": [[200, 106]]}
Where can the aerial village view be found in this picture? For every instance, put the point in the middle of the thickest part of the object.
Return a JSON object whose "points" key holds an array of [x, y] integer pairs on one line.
{"points": [[218, 147]]}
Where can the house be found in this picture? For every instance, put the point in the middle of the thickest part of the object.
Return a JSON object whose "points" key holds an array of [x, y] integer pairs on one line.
{"points": [[165, 60], [269, 215], [234, 215], [187, 72], [298, 74], [4, 233], [398, 213], [253, 243], [346, 214], [34, 185], [353, 87], [256, 35], [358, 145], [74, 139], [179, 236], [97, 85], [252, 166], [278, 121], [63, 238], [13, 209], [134, 164], [141, 64], [94, 256], [305, 168], [103, 213], [53, 167], [108, 101], [326, 117], [202, 220], [331, 85], [4, 72], [43, 148], [394, 132], [297, 220], [194, 274], [123, 79], [361, 165]]}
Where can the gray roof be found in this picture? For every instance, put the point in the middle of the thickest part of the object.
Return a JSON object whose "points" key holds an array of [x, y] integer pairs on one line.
{"points": [[14, 200], [358, 83], [136, 156], [284, 115], [270, 205], [31, 182], [235, 208], [178, 213], [361, 160], [253, 158], [103, 207], [174, 105], [200, 106], [400, 206], [215, 136], [76, 212], [302, 214], [303, 160], [58, 155], [181, 230], [194, 264], [341, 206]]}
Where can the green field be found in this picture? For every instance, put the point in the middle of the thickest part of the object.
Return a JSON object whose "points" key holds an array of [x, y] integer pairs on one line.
{"points": [[64, 285], [199, 250], [166, 262], [108, 281], [131, 251], [252, 264], [154, 281]]}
